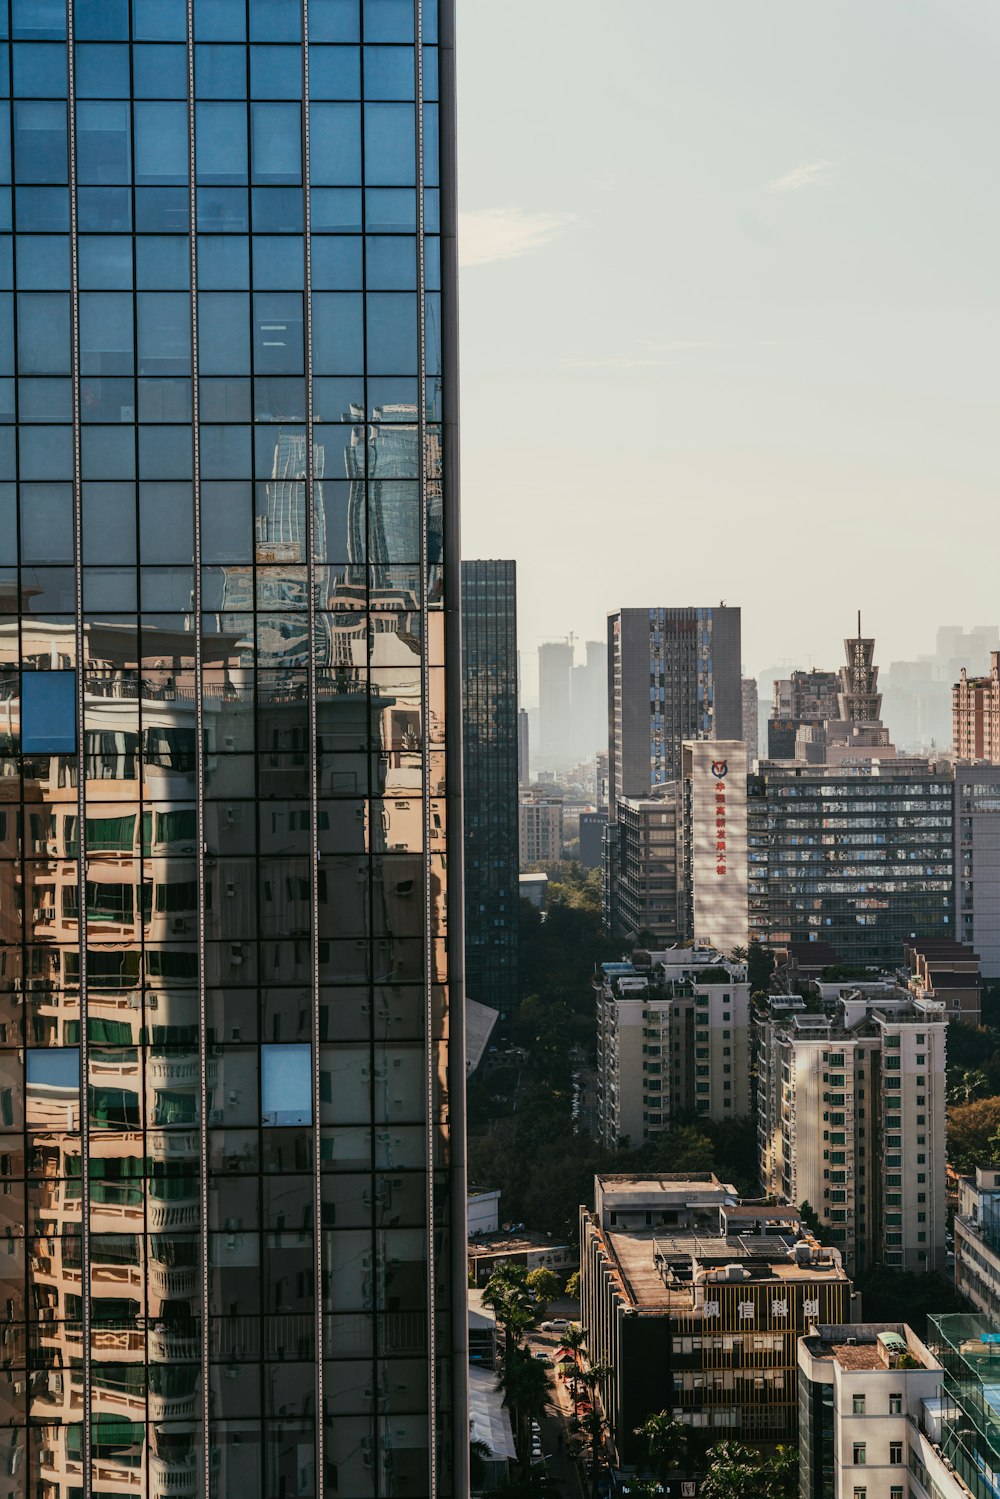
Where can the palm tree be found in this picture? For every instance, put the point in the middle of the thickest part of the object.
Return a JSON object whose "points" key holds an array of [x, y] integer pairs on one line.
{"points": [[479, 1456], [734, 1472], [508, 1296], [666, 1441], [574, 1339], [524, 1381], [592, 1377]]}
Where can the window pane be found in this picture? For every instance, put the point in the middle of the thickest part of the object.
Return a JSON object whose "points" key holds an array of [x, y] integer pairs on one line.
{"points": [[221, 143], [277, 142], [286, 1085], [48, 712]]}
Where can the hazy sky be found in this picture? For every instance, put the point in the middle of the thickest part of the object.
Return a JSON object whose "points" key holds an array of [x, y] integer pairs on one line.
{"points": [[730, 312]]}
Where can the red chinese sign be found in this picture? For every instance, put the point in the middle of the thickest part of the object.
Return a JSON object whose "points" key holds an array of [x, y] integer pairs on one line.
{"points": [[720, 770]]}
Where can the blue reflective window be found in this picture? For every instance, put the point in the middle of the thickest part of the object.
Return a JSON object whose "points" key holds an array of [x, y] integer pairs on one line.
{"points": [[104, 208], [42, 262], [221, 143], [40, 140], [276, 210], [223, 210], [278, 264], [48, 712], [162, 262], [103, 144], [165, 453], [334, 72], [43, 333], [6, 261], [45, 452], [161, 210], [219, 21], [432, 154], [226, 522], [225, 452], [335, 144], [389, 20], [225, 400], [278, 346], [106, 333], [220, 71], [223, 262], [105, 261], [275, 20], [391, 210], [391, 262], [161, 147], [52, 1067], [164, 400], [40, 70], [46, 522], [166, 524], [100, 20], [102, 71], [223, 333], [336, 262], [6, 333], [107, 452], [164, 333], [338, 343], [40, 209], [45, 399], [276, 134], [109, 523], [390, 145], [275, 72], [286, 1090], [159, 72], [159, 20], [336, 210], [39, 18], [107, 398], [389, 73], [5, 157], [334, 20]]}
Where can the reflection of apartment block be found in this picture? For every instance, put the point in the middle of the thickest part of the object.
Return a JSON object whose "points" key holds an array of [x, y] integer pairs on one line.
{"points": [[672, 1039], [540, 830], [696, 1304], [851, 1119]]}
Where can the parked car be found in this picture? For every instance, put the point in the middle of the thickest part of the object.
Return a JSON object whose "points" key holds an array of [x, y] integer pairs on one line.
{"points": [[555, 1324]]}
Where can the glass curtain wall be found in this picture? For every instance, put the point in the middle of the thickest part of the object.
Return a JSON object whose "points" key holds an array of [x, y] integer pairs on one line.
{"points": [[226, 1176]]}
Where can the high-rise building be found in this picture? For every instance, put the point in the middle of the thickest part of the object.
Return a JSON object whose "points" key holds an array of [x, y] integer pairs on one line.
{"points": [[489, 748], [977, 862], [540, 830], [713, 829], [523, 748], [232, 1055], [806, 699], [673, 674], [672, 1039], [859, 856], [589, 689], [751, 718], [555, 673], [859, 699], [644, 895], [975, 715], [851, 1119]]}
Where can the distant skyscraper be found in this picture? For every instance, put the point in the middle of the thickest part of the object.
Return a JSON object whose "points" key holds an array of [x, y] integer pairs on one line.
{"points": [[673, 674], [555, 673], [490, 723], [232, 1049], [523, 747], [589, 690]]}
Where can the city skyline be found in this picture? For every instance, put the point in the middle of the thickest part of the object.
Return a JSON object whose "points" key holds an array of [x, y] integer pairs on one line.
{"points": [[792, 338]]}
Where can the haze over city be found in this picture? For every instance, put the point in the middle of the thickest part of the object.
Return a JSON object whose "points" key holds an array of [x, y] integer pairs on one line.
{"points": [[728, 289]]}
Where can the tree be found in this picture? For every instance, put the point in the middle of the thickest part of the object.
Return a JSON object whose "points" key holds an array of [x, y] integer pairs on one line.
{"points": [[507, 1295], [594, 1422], [573, 1286], [971, 1127], [760, 966], [781, 1474], [810, 1217], [543, 1284], [526, 1387], [666, 1442], [968, 1086], [479, 1456], [733, 1472], [574, 1339]]}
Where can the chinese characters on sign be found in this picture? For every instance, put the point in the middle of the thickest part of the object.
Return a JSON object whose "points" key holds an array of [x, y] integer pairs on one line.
{"points": [[720, 769]]}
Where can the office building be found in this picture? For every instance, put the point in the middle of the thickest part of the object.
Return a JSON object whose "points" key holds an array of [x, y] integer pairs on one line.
{"points": [[859, 856], [975, 715], [643, 896], [977, 862], [947, 971], [696, 1305], [672, 1040], [714, 843], [231, 1020], [540, 829], [489, 750], [963, 1436], [870, 1411], [977, 1239], [751, 718], [851, 1119], [806, 699], [592, 826], [673, 674], [556, 747]]}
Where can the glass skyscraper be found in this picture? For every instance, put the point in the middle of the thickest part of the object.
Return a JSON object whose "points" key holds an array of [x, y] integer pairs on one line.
{"points": [[231, 1041], [489, 721]]}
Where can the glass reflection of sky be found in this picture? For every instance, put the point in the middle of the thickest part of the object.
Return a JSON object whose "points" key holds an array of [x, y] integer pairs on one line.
{"points": [[286, 1085], [54, 1067]]}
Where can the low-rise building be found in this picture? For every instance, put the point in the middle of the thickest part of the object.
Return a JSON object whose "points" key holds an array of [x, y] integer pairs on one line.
{"points": [[977, 1239], [518, 1246], [482, 1211], [672, 1038], [941, 968], [696, 1304], [851, 1119], [869, 1408]]}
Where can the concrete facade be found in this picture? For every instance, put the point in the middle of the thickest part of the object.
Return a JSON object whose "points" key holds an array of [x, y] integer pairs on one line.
{"points": [[977, 862]]}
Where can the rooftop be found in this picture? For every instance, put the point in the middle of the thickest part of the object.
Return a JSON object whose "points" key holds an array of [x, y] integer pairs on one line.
{"points": [[869, 1345], [658, 1269]]}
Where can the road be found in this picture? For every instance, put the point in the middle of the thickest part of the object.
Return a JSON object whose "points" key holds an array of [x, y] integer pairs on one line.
{"points": [[566, 1474]]}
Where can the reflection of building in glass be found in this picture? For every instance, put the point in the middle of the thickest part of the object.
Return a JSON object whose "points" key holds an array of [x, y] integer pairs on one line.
{"points": [[384, 520], [228, 1186]]}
